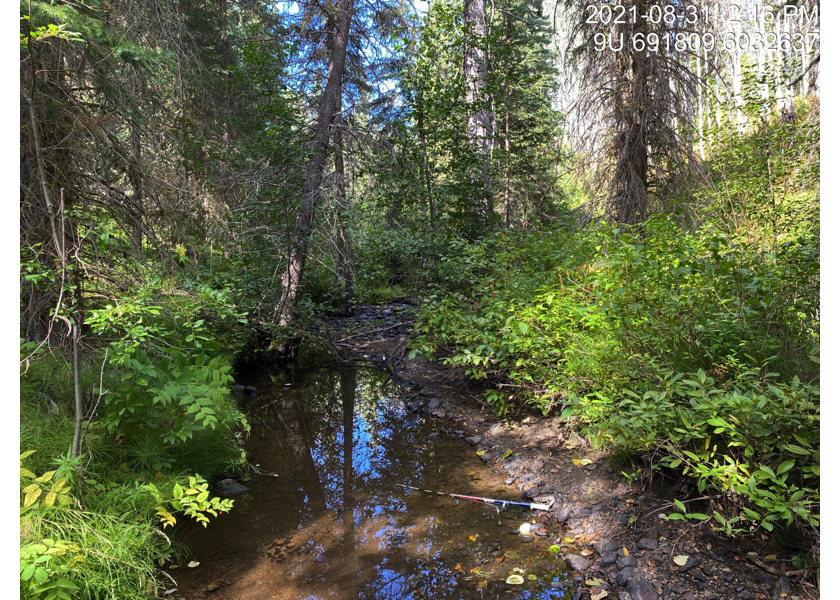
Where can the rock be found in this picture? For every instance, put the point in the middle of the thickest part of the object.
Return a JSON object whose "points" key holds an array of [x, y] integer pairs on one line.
{"points": [[531, 493], [624, 596], [646, 544], [610, 559], [640, 588], [229, 487], [526, 538], [536, 465], [555, 586], [603, 547], [577, 562], [563, 514], [625, 575], [474, 440], [237, 389], [439, 413], [433, 404], [415, 406], [626, 561], [781, 588], [692, 562], [250, 389]]}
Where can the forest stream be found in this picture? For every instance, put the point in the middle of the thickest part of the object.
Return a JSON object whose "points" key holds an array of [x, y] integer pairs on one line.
{"points": [[326, 518]]}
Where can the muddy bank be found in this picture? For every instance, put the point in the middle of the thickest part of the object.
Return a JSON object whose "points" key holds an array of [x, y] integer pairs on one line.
{"points": [[608, 525]]}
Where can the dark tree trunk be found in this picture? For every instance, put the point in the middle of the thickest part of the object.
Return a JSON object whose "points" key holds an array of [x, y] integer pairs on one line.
{"points": [[311, 195]]}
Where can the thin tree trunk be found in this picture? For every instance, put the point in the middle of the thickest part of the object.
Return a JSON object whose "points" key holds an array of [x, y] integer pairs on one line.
{"points": [[310, 198], [76, 334], [421, 134], [345, 258]]}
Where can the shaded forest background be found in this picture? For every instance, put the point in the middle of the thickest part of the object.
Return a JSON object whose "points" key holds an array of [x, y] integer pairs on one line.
{"points": [[626, 237]]}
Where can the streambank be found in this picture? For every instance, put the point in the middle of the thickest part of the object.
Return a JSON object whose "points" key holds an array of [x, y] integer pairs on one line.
{"points": [[609, 528]]}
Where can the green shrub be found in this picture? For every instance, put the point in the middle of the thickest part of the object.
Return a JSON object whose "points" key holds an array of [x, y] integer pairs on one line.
{"points": [[754, 440]]}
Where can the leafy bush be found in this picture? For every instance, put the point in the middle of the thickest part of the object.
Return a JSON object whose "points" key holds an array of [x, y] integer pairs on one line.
{"points": [[755, 440]]}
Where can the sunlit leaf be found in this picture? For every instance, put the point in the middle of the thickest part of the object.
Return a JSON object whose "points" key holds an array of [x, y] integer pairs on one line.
{"points": [[515, 580], [681, 559]]}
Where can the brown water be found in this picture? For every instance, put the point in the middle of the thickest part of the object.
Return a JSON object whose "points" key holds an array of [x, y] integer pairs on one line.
{"points": [[326, 519]]}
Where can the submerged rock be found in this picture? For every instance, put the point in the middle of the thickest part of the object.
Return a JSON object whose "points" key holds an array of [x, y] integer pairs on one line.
{"points": [[229, 487]]}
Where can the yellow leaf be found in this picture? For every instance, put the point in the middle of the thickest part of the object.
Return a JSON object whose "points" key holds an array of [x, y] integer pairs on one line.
{"points": [[30, 487], [626, 552], [681, 559], [585, 552], [459, 568], [27, 473], [770, 557], [706, 445], [515, 580], [46, 476], [593, 582], [481, 584], [50, 499], [31, 497], [473, 537], [575, 461]]}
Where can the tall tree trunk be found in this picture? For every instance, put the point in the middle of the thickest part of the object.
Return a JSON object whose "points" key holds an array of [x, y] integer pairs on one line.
{"points": [[479, 122], [421, 134], [344, 269], [311, 195]]}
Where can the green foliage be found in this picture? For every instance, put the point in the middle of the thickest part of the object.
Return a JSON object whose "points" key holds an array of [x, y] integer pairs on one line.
{"points": [[194, 501], [755, 440], [605, 325], [168, 383]]}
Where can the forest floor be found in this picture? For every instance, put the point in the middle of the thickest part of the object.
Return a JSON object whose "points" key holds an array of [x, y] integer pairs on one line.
{"points": [[618, 544]]}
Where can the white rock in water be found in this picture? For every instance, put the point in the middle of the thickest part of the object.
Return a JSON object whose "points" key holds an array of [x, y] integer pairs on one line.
{"points": [[525, 528]]}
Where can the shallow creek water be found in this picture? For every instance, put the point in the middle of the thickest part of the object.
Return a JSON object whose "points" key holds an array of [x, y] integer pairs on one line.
{"points": [[325, 517]]}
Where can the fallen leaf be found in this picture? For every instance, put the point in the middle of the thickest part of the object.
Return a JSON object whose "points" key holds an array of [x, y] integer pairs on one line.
{"points": [[626, 552], [593, 582], [585, 461], [568, 540], [555, 549], [459, 568], [515, 580], [532, 577], [585, 552], [500, 559], [770, 557], [681, 559], [193, 564], [507, 453], [575, 461], [473, 537], [599, 596], [481, 584], [481, 452], [511, 554]]}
